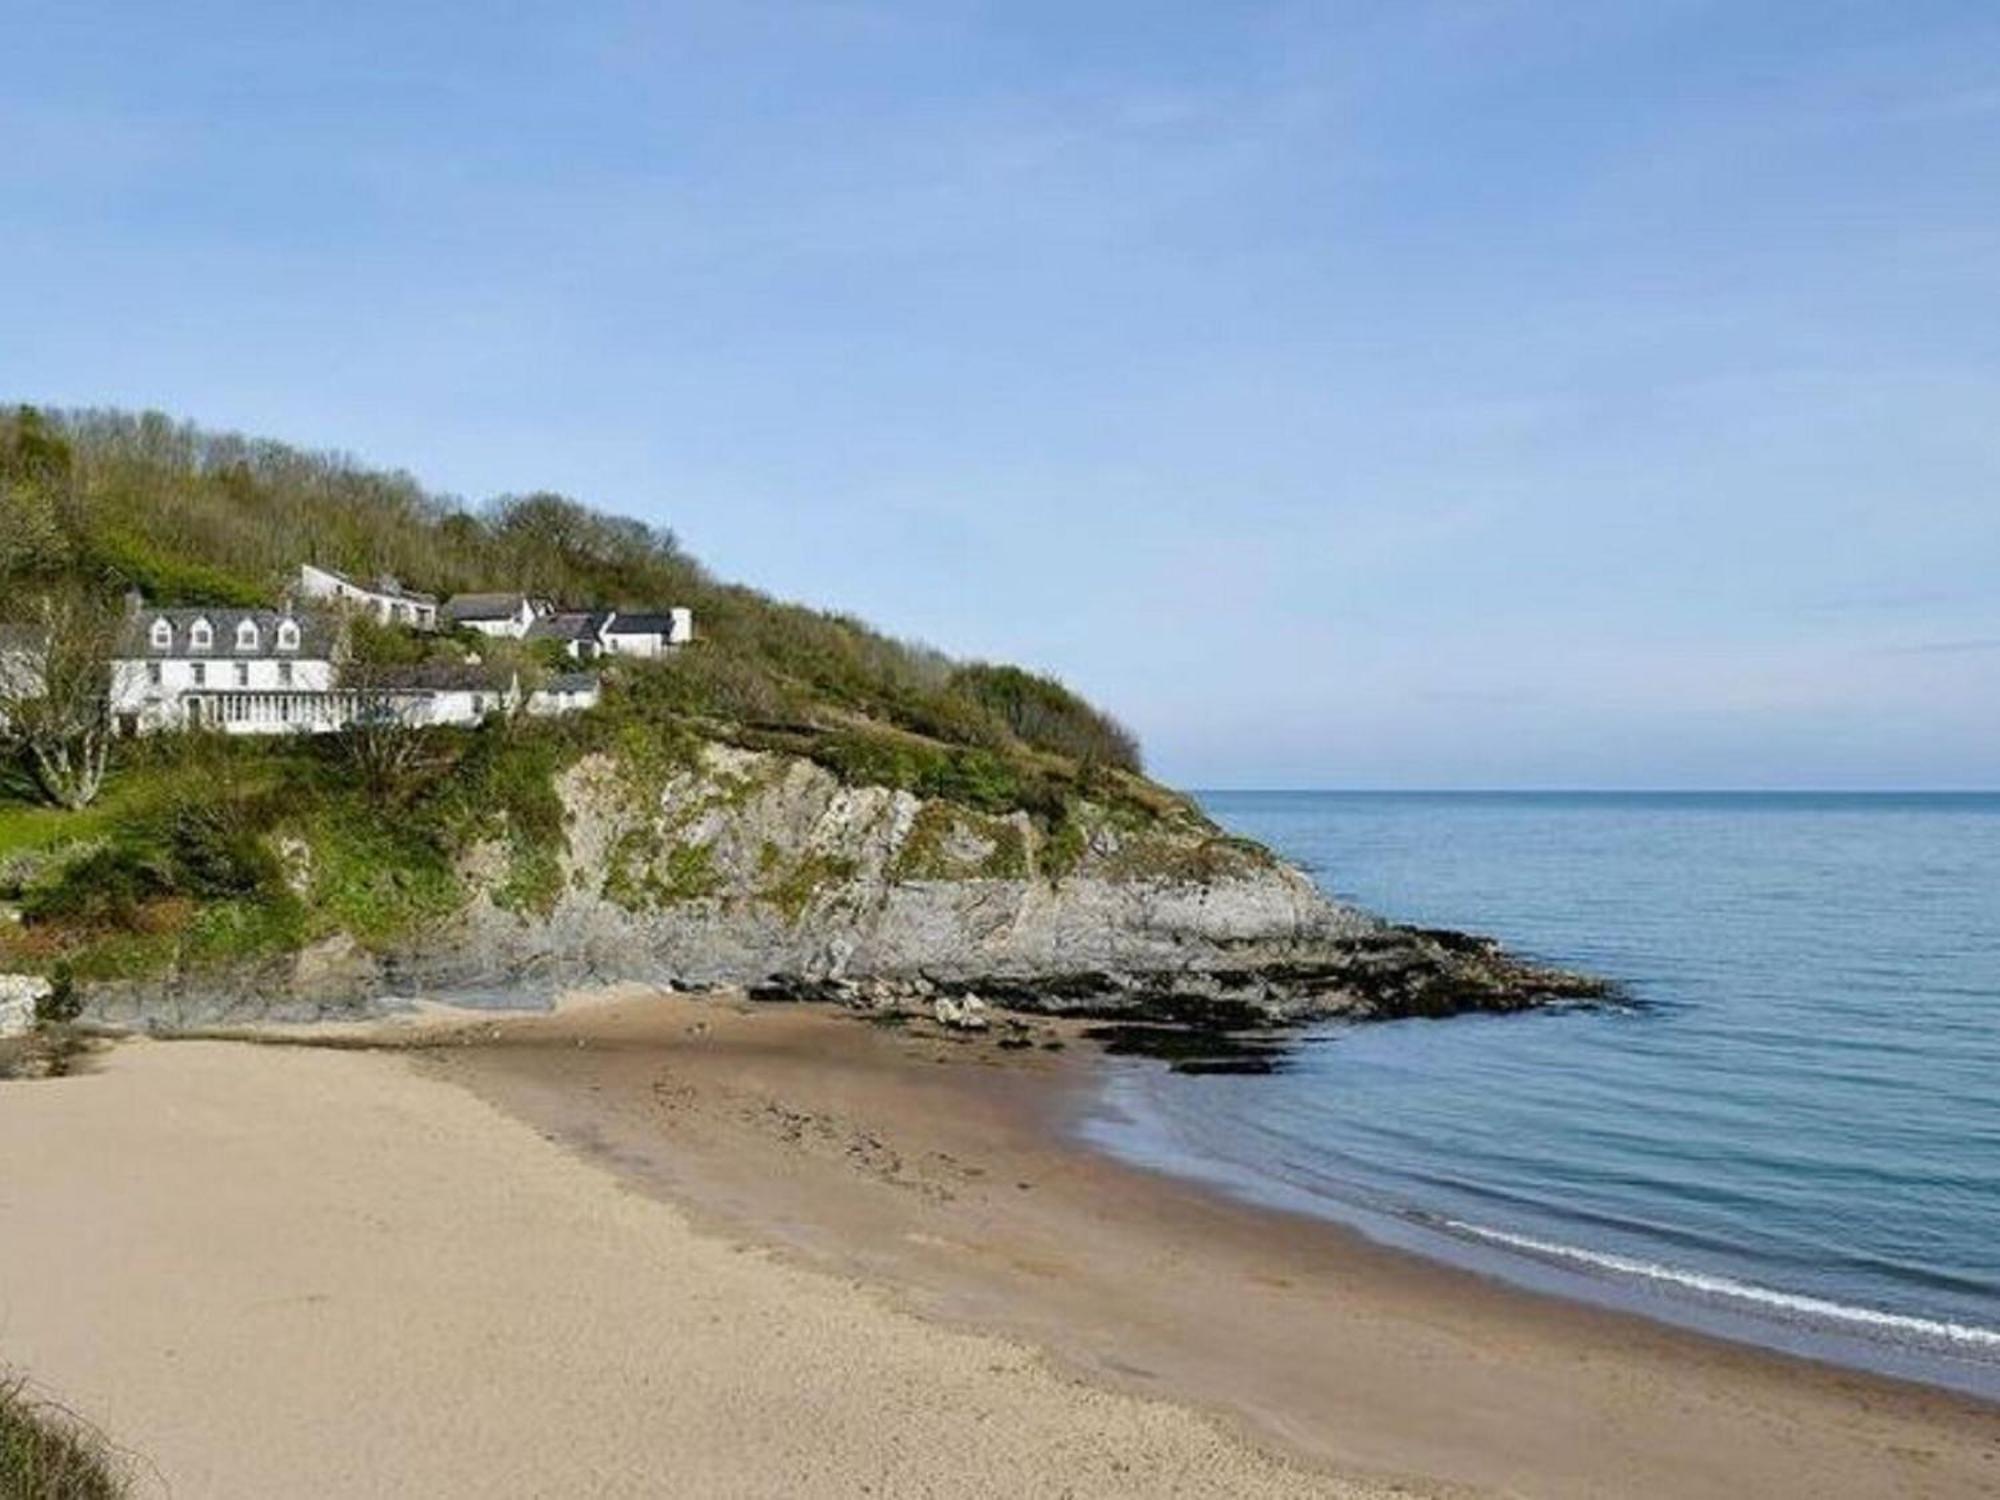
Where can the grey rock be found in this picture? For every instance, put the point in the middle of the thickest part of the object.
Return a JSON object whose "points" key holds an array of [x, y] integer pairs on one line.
{"points": [[765, 871]]}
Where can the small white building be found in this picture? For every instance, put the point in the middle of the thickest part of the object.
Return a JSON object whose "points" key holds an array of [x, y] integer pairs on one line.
{"points": [[639, 634], [386, 601], [245, 671], [439, 693], [580, 633], [501, 615], [566, 693]]}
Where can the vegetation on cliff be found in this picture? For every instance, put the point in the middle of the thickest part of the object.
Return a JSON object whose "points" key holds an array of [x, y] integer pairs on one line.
{"points": [[204, 850]]}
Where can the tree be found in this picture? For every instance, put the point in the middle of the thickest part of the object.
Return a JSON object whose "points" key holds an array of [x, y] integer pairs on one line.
{"points": [[384, 745], [55, 693]]}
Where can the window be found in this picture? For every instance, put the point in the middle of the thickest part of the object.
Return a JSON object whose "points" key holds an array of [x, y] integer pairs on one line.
{"points": [[243, 674], [163, 635], [284, 669], [201, 636], [201, 674], [246, 636], [153, 674], [288, 635]]}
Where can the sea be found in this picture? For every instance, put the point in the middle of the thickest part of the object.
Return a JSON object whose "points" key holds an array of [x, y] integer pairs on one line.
{"points": [[1788, 1130]]}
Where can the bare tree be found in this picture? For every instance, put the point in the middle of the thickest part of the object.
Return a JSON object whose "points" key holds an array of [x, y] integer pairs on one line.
{"points": [[55, 686], [385, 744]]}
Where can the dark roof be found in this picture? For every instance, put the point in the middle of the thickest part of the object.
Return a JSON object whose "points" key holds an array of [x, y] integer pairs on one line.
{"points": [[441, 677], [571, 682], [573, 626], [642, 624], [484, 606], [385, 586], [319, 632]]}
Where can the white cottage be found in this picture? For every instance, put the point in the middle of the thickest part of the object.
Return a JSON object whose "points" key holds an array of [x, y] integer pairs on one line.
{"points": [[579, 633], [565, 693], [243, 671], [639, 634], [437, 693], [501, 615], [386, 601]]}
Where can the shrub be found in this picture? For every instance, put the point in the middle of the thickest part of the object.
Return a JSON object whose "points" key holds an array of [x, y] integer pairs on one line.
{"points": [[62, 1004], [46, 1453]]}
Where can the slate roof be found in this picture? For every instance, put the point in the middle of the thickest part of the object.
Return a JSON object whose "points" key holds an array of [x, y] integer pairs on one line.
{"points": [[570, 626], [484, 606], [642, 624], [319, 633], [442, 677], [571, 682]]}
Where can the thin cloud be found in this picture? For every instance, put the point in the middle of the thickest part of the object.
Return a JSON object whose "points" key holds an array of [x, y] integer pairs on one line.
{"points": [[1947, 648]]}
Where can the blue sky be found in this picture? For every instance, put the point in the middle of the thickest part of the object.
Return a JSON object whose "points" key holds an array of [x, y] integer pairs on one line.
{"points": [[1415, 393]]}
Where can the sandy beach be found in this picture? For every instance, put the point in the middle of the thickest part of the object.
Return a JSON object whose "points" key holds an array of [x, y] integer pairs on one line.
{"points": [[664, 1245]]}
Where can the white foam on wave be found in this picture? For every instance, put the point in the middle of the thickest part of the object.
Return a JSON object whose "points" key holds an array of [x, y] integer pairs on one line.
{"points": [[1962, 1336]]}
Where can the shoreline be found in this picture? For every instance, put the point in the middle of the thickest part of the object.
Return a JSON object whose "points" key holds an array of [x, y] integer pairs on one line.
{"points": [[630, 1148], [1111, 1266], [1738, 1313]]}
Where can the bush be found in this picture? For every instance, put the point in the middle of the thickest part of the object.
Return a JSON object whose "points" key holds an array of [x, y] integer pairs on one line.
{"points": [[62, 1004], [48, 1454], [1042, 712]]}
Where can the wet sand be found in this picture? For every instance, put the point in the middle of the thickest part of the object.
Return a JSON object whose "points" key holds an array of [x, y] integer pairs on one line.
{"points": [[938, 1166], [674, 1246]]}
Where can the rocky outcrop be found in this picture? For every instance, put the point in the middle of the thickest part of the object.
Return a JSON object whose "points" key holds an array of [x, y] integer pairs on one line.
{"points": [[765, 871], [21, 996]]}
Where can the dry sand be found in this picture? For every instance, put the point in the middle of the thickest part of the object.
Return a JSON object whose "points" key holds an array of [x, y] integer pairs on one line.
{"points": [[278, 1271]]}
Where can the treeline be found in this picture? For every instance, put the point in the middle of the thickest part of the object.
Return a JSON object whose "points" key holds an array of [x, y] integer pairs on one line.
{"points": [[111, 501]]}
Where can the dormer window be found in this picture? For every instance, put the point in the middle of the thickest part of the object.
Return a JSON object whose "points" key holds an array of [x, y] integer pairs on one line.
{"points": [[163, 635], [288, 635], [246, 636], [201, 636]]}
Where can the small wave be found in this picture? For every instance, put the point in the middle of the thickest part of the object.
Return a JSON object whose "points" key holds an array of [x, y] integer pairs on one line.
{"points": [[1918, 1330]]}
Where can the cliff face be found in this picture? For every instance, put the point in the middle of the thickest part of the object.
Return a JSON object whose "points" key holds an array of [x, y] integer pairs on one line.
{"points": [[762, 870]]}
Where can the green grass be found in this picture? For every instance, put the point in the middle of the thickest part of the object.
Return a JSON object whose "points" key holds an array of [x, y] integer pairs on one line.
{"points": [[48, 1454], [794, 890]]}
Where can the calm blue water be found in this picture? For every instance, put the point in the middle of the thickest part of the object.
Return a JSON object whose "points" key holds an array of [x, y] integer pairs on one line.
{"points": [[1794, 1137]]}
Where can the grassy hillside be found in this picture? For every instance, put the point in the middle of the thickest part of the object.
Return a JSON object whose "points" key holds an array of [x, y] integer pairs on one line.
{"points": [[183, 861], [119, 501]]}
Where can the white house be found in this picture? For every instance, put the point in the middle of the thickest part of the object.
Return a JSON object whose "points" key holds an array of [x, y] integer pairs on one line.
{"points": [[245, 671], [264, 671], [387, 601], [505, 615], [436, 693], [647, 634], [580, 633], [568, 693]]}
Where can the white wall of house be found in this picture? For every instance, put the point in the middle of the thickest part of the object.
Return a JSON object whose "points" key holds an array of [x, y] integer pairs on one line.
{"points": [[622, 640], [153, 691], [513, 627], [464, 706], [387, 609], [545, 702], [633, 644]]}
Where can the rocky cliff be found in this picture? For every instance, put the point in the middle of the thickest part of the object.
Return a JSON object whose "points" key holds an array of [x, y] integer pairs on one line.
{"points": [[739, 867]]}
